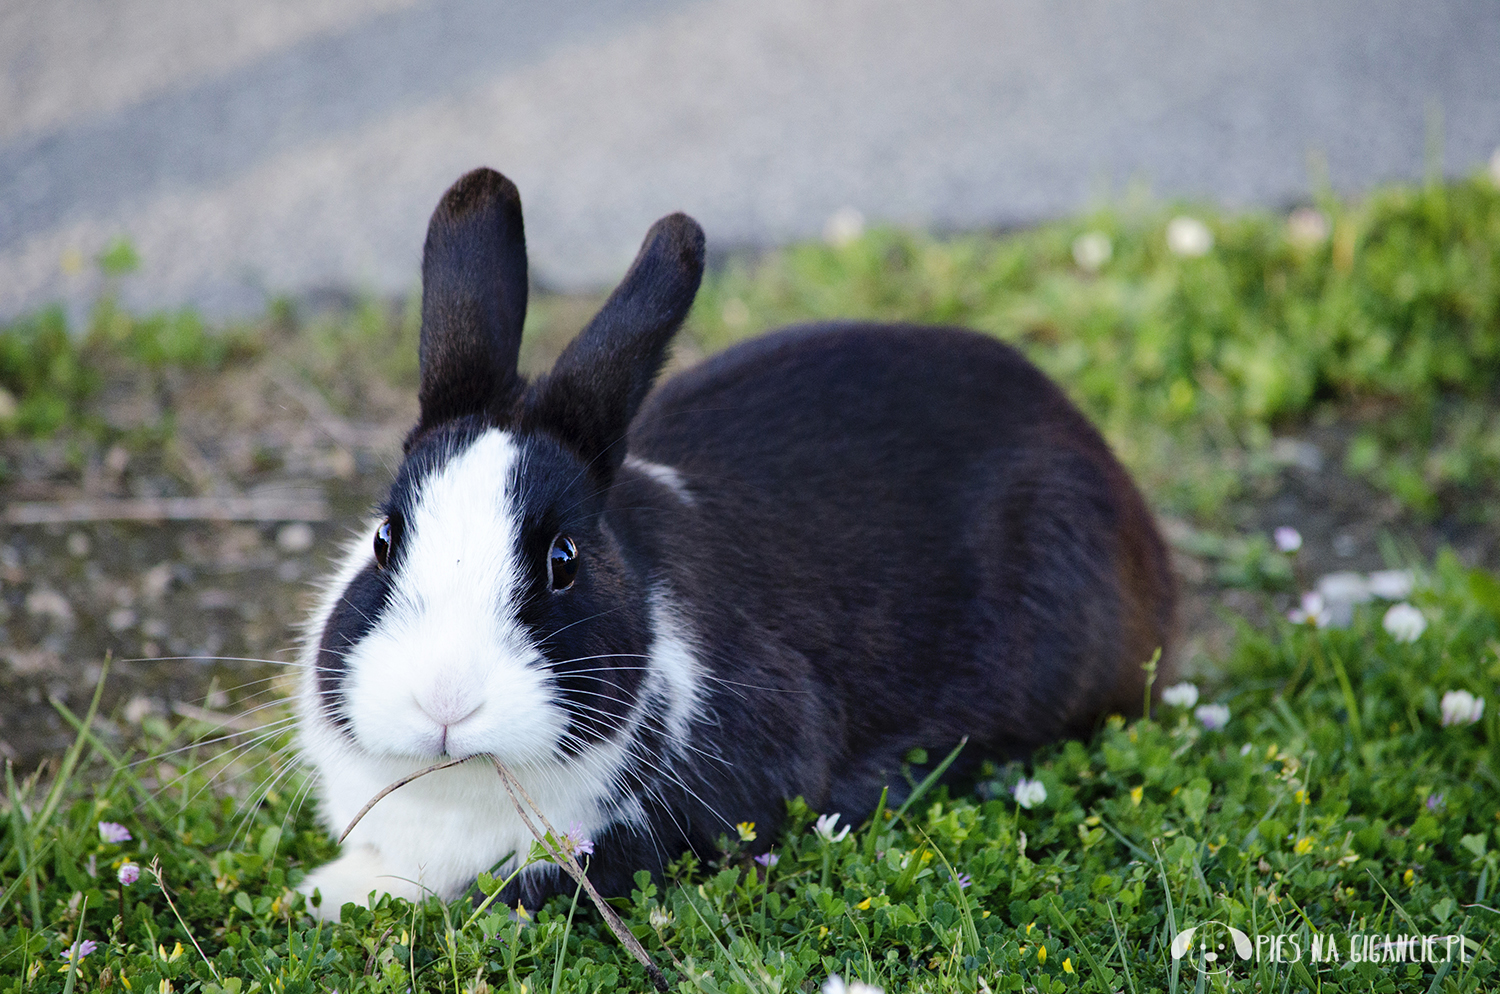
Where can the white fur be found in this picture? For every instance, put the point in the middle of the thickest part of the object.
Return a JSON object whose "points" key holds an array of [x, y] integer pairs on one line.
{"points": [[447, 651], [665, 475], [448, 669]]}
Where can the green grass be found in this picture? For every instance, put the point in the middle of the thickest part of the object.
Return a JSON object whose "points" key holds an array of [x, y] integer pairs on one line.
{"points": [[1334, 803]]}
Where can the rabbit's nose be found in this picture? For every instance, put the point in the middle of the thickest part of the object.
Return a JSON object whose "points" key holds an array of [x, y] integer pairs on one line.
{"points": [[447, 711]]}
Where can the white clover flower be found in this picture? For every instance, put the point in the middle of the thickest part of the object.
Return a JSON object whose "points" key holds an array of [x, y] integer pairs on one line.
{"points": [[1189, 237], [1345, 587], [1180, 695], [835, 985], [844, 227], [1312, 610], [1392, 584], [1461, 708], [1307, 226], [1404, 622], [1341, 591], [1091, 250], [1287, 539], [1213, 716], [827, 827], [1029, 793]]}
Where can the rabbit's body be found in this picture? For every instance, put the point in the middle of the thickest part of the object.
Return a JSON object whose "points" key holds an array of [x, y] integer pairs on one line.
{"points": [[813, 553]]}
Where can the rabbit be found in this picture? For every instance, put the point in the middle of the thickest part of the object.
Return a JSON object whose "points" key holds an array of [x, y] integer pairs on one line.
{"points": [[670, 611]]}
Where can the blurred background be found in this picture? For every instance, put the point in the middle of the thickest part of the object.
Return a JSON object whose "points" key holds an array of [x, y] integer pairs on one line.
{"points": [[252, 150]]}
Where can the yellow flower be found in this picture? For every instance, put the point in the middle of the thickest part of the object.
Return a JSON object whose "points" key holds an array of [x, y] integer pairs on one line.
{"points": [[1030, 927], [1068, 965], [822, 931], [1408, 876], [1041, 954], [746, 830], [1300, 796], [864, 905], [1304, 846], [1136, 793]]}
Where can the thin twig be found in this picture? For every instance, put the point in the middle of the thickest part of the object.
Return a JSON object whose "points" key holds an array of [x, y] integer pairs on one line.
{"points": [[399, 783], [375, 950], [558, 854], [162, 886], [565, 859]]}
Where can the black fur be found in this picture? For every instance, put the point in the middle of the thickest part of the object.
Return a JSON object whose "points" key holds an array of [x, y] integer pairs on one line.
{"points": [[893, 536], [601, 378], [474, 289]]}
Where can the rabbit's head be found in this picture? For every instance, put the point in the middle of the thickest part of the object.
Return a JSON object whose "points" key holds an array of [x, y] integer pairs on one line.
{"points": [[489, 608]]}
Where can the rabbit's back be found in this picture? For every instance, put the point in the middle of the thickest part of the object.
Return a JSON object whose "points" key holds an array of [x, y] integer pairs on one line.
{"points": [[922, 516]]}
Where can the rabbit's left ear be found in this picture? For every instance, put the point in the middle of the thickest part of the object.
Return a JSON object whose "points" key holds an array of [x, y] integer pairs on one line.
{"points": [[601, 378]]}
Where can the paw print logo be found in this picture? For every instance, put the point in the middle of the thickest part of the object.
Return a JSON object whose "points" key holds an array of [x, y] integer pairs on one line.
{"points": [[1212, 946]]}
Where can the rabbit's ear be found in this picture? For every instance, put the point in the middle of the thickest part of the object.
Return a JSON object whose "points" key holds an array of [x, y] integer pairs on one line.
{"points": [[601, 378], [473, 301]]}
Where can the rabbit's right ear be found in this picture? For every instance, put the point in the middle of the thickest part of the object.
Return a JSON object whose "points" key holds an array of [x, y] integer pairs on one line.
{"points": [[473, 302], [600, 379]]}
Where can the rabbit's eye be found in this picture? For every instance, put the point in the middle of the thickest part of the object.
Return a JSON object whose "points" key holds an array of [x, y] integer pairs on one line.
{"points": [[383, 544], [562, 562]]}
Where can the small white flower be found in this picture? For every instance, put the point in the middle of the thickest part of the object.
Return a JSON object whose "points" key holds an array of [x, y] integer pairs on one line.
{"points": [[1345, 587], [1287, 539], [1029, 793], [1091, 250], [1180, 695], [1341, 592], [835, 985], [1404, 622], [1392, 584], [827, 827], [1213, 716], [1245, 749], [1307, 226], [1311, 610], [844, 227], [1461, 708], [1189, 237], [659, 918]]}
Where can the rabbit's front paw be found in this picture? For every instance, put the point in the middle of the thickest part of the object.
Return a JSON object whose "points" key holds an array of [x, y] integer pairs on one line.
{"points": [[351, 878]]}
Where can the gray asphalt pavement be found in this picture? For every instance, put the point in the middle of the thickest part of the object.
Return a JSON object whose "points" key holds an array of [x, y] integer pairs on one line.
{"points": [[287, 146]]}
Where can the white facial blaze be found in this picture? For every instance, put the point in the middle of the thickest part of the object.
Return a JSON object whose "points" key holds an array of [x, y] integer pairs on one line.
{"points": [[448, 668], [448, 657]]}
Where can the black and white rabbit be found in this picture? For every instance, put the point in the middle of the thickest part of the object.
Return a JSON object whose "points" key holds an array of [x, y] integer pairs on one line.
{"points": [[669, 612]]}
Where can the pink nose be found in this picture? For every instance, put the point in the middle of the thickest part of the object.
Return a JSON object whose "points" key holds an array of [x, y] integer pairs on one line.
{"points": [[447, 711]]}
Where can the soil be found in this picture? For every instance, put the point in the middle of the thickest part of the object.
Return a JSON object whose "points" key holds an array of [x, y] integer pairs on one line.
{"points": [[200, 618]]}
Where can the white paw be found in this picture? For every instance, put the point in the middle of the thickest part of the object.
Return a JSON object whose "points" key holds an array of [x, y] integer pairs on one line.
{"points": [[351, 878]]}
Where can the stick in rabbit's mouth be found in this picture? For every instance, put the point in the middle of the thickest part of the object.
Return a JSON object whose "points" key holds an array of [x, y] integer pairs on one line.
{"points": [[560, 855]]}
